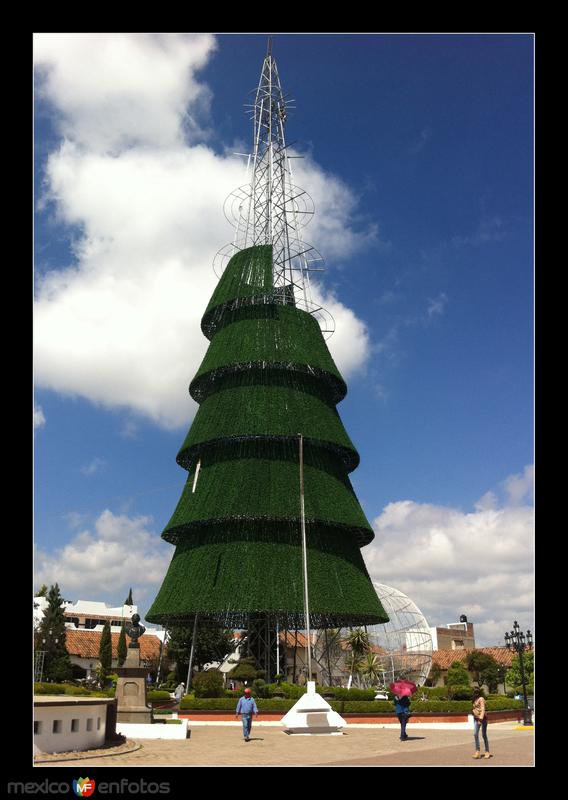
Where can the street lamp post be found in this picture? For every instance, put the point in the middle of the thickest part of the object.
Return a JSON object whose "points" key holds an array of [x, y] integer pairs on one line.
{"points": [[515, 640]]}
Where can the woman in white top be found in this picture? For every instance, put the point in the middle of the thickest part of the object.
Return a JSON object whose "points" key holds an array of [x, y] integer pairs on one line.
{"points": [[480, 722]]}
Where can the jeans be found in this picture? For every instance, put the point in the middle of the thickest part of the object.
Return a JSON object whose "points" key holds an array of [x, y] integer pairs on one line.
{"points": [[403, 719], [247, 722], [477, 724]]}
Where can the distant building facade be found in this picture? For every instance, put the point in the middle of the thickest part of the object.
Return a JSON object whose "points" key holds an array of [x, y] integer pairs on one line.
{"points": [[454, 636]]}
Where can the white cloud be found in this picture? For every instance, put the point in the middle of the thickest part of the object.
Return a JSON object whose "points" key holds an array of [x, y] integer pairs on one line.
{"points": [[332, 228], [75, 519], [39, 417], [451, 562], [103, 562], [488, 230], [437, 305], [520, 487], [144, 199], [129, 429], [93, 467], [350, 345], [115, 91]]}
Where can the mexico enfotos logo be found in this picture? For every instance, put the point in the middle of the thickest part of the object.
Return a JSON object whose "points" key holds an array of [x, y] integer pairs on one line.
{"points": [[85, 787]]}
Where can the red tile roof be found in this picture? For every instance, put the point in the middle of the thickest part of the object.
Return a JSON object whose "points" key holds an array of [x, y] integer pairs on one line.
{"points": [[301, 640], [85, 644], [445, 658]]}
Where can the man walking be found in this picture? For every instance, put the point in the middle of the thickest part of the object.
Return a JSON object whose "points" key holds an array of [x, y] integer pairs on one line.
{"points": [[246, 707]]}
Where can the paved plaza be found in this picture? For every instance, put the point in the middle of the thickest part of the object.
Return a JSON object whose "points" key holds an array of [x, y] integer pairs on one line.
{"points": [[210, 745]]}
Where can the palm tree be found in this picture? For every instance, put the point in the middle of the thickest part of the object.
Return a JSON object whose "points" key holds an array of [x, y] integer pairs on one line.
{"points": [[357, 641], [372, 668]]}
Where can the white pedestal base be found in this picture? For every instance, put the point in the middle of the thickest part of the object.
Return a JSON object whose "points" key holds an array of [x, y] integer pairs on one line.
{"points": [[312, 715]]}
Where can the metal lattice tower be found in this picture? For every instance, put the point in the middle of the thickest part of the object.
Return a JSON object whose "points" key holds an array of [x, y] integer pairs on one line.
{"points": [[270, 208]]}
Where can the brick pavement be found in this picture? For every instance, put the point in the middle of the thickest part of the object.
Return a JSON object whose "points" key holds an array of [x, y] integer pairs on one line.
{"points": [[224, 746]]}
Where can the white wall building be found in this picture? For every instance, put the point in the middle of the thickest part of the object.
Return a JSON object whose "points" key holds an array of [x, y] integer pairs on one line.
{"points": [[63, 724], [92, 615]]}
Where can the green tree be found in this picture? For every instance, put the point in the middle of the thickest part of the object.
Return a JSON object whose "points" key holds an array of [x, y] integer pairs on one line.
{"points": [[212, 643], [51, 638], [122, 649], [246, 670], [105, 654], [513, 676], [457, 675], [128, 601], [484, 668], [434, 675], [42, 591], [208, 684]]}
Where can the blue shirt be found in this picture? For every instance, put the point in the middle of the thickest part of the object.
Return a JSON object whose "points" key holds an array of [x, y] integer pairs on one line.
{"points": [[401, 705], [246, 706]]}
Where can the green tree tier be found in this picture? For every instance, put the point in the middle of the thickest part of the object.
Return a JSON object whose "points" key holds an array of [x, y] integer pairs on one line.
{"points": [[267, 404], [266, 377], [259, 480], [228, 573]]}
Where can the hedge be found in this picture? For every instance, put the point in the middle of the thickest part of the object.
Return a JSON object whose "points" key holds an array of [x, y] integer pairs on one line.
{"points": [[230, 704], [339, 693], [69, 689], [157, 696], [349, 706]]}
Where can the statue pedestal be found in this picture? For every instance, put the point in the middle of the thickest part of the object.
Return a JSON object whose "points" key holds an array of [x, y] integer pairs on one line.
{"points": [[131, 690]]}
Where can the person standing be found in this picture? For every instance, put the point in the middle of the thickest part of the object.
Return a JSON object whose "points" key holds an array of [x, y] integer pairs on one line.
{"points": [[246, 707], [480, 722], [402, 710], [179, 692]]}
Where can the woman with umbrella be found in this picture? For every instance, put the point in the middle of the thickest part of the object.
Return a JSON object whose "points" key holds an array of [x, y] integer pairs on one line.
{"points": [[402, 690]]}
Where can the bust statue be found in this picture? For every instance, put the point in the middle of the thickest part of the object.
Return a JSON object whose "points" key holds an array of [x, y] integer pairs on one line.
{"points": [[134, 630]]}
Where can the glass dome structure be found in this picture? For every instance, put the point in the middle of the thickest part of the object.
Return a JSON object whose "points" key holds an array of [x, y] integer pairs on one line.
{"points": [[404, 644]]}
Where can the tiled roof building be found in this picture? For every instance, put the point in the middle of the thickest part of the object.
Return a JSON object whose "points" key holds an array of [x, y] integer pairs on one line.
{"points": [[445, 658], [83, 648]]}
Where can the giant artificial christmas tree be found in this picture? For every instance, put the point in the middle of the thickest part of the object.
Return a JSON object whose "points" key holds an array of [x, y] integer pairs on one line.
{"points": [[266, 378]]}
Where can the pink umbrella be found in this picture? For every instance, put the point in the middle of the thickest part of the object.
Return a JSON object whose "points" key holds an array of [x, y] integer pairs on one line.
{"points": [[403, 688]]}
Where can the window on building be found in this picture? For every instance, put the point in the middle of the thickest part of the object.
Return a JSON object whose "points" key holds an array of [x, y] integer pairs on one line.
{"points": [[37, 726], [74, 620], [98, 723], [90, 724], [57, 726], [457, 644], [116, 623], [74, 725]]}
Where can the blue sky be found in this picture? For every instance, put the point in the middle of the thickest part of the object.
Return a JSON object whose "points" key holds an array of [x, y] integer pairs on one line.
{"points": [[418, 151]]}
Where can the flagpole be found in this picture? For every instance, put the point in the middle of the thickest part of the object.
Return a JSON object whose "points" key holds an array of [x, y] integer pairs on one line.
{"points": [[190, 665], [305, 559]]}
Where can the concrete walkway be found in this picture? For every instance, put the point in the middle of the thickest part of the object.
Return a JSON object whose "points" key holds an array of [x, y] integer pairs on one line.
{"points": [[224, 746]]}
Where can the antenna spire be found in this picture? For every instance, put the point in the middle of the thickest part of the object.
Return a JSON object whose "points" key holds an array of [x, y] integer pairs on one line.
{"points": [[271, 209]]}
